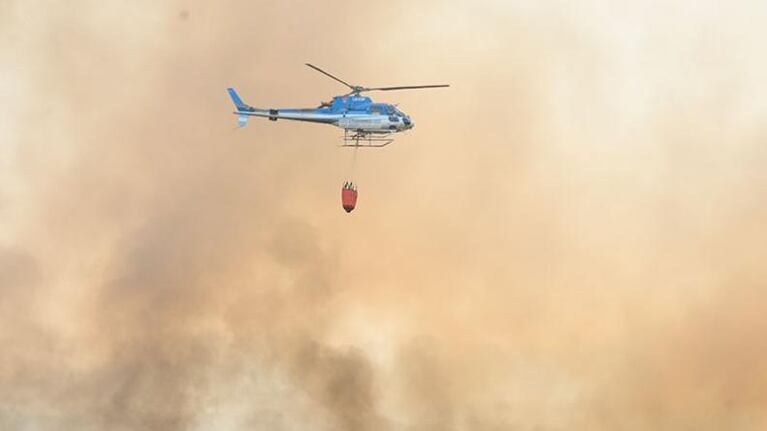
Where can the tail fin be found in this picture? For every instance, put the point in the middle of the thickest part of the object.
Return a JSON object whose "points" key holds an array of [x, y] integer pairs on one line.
{"points": [[241, 106], [242, 120]]}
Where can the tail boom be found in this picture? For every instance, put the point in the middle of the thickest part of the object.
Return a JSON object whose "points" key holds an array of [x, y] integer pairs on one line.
{"points": [[243, 111]]}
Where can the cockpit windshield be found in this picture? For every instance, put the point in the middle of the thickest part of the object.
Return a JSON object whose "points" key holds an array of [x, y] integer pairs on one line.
{"points": [[387, 109]]}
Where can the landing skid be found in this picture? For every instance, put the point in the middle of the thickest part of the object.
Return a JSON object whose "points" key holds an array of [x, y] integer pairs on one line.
{"points": [[366, 139]]}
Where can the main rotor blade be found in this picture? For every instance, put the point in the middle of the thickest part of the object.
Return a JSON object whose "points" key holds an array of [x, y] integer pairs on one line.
{"points": [[405, 87], [329, 75]]}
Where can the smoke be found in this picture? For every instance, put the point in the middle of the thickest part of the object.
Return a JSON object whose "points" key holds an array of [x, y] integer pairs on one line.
{"points": [[571, 237]]}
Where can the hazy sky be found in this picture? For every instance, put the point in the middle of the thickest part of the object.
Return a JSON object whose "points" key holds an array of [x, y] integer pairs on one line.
{"points": [[572, 236]]}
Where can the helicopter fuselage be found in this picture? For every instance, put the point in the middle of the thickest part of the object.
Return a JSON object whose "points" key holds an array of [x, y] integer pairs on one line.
{"points": [[351, 113]]}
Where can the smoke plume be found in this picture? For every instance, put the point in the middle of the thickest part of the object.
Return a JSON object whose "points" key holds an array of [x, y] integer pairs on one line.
{"points": [[571, 238]]}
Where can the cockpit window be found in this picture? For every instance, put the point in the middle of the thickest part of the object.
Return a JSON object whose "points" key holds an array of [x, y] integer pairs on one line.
{"points": [[383, 108]]}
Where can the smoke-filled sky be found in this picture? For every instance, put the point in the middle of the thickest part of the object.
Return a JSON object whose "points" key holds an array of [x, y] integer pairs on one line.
{"points": [[572, 237]]}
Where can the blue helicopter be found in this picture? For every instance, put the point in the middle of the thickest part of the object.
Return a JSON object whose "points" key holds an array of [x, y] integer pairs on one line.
{"points": [[365, 123]]}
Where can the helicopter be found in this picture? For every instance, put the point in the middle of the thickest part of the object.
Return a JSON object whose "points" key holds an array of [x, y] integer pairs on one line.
{"points": [[365, 123]]}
